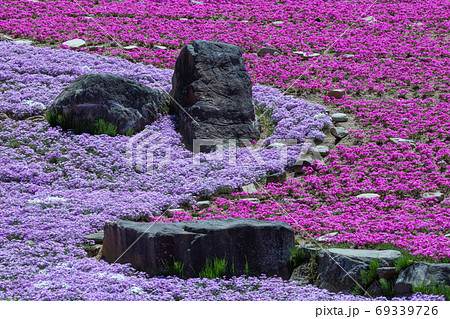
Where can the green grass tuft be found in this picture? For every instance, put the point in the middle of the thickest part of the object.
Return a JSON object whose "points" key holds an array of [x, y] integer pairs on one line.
{"points": [[216, 268], [98, 127], [387, 287], [298, 256]]}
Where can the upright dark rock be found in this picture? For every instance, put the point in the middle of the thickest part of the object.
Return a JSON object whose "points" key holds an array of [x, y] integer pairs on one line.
{"points": [[119, 101], [213, 88], [264, 246]]}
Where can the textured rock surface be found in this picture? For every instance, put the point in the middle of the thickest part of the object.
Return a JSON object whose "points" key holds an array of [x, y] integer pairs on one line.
{"points": [[401, 140], [263, 244], [97, 237], [122, 102], [276, 178], [338, 94], [339, 132], [264, 51], [339, 117], [213, 87], [339, 267], [387, 272], [250, 188], [422, 273]]}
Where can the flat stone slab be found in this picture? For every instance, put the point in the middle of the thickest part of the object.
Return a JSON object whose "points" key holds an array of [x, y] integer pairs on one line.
{"points": [[97, 237], [263, 245]]}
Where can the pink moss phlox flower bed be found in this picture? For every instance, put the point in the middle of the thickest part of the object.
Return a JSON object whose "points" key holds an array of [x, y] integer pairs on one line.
{"points": [[404, 48]]}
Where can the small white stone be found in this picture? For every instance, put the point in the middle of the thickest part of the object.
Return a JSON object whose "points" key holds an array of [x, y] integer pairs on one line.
{"points": [[161, 47], [437, 195], [33, 103], [196, 2], [368, 195], [28, 42], [278, 22], [401, 140], [276, 145], [35, 201], [339, 117], [326, 237], [55, 199], [137, 290], [203, 204], [319, 116], [369, 19], [7, 37], [130, 47], [75, 43], [249, 189]]}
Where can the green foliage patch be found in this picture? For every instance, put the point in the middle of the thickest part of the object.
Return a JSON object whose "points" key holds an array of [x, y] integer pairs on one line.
{"points": [[98, 127]]}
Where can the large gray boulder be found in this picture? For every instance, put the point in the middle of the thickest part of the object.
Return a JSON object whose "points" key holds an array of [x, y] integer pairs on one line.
{"points": [[339, 268], [263, 245], [422, 273], [212, 85], [119, 101]]}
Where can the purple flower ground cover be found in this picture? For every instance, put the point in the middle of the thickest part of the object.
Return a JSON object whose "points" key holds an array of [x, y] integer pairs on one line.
{"points": [[56, 187]]}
